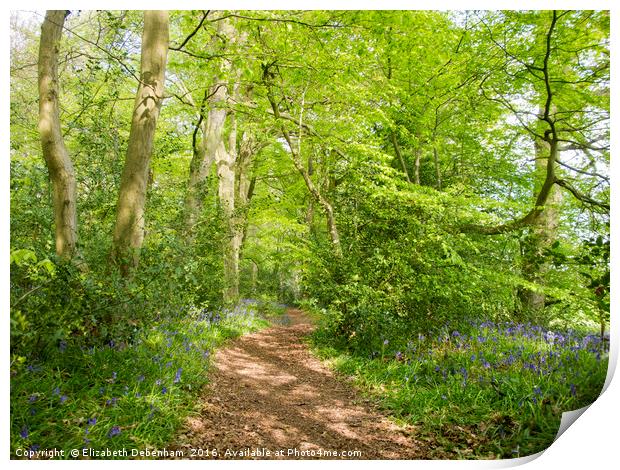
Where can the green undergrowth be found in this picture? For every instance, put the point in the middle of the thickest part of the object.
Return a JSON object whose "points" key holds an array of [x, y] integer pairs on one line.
{"points": [[486, 391], [119, 396]]}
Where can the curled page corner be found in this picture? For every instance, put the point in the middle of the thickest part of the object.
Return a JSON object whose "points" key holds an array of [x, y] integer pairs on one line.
{"points": [[568, 418]]}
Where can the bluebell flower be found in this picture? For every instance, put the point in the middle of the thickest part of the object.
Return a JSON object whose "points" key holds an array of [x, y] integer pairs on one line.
{"points": [[141, 378], [56, 391], [63, 399], [386, 342], [24, 432], [92, 421], [164, 390], [573, 389], [32, 398], [114, 431], [177, 377]]}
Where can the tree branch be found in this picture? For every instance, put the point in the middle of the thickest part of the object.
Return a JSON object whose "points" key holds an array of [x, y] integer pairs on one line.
{"points": [[192, 34], [582, 197]]}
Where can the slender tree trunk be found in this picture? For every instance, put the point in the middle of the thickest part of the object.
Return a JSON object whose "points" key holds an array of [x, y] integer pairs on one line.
{"points": [[59, 166], [225, 161], [199, 169], [437, 167], [400, 155], [541, 234], [244, 191], [129, 228], [416, 170]]}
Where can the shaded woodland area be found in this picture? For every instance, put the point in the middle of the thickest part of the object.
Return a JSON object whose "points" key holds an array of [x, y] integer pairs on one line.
{"points": [[431, 187]]}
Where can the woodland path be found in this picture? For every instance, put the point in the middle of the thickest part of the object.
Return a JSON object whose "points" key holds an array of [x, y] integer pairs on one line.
{"points": [[267, 391]]}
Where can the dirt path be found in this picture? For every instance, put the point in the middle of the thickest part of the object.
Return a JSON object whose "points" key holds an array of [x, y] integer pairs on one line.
{"points": [[268, 392]]}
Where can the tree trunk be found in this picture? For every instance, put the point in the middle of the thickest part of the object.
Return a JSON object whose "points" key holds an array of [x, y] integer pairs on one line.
{"points": [[225, 161], [542, 233], [129, 228], [437, 167], [199, 169], [416, 168], [244, 191], [400, 156], [59, 166]]}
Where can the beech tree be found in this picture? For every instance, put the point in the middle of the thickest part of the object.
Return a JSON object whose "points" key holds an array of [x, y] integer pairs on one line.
{"points": [[130, 211], [59, 165]]}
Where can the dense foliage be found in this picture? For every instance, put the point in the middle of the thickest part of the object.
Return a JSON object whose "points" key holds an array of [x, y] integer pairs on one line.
{"points": [[410, 174]]}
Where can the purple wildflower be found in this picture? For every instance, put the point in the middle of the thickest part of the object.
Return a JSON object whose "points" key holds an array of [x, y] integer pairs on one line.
{"points": [[24, 432], [573, 390], [114, 431], [164, 390], [177, 377], [92, 421], [141, 378], [63, 398]]}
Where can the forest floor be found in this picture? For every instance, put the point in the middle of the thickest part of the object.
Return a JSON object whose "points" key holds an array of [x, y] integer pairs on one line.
{"points": [[269, 397]]}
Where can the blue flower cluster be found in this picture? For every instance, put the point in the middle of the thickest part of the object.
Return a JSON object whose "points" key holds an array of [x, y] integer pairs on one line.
{"points": [[171, 349]]}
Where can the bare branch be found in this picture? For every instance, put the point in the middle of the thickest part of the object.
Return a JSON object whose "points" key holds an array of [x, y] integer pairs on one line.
{"points": [[192, 34], [582, 197]]}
